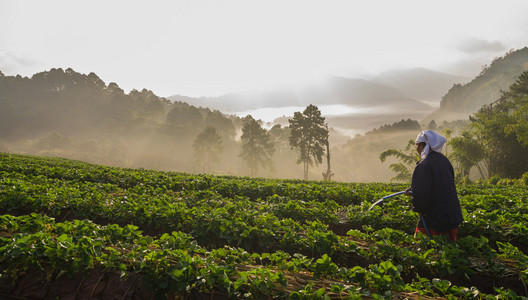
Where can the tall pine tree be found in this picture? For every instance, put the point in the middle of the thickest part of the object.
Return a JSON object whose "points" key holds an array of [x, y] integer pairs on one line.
{"points": [[308, 136]]}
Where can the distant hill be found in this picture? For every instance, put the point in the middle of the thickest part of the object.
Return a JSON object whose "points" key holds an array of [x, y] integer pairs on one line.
{"points": [[374, 103], [68, 114], [420, 83], [462, 100], [71, 103], [331, 90]]}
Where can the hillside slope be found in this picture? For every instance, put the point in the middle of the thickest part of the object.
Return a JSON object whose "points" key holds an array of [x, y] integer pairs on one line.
{"points": [[463, 100], [420, 83]]}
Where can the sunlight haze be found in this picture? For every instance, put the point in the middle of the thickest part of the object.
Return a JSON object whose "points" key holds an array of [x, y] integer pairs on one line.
{"points": [[210, 48]]}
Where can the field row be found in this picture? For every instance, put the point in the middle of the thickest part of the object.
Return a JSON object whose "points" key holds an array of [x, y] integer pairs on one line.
{"points": [[174, 263], [323, 228]]}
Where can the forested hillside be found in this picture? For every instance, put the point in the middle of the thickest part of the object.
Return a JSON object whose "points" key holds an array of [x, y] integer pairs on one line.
{"points": [[74, 104], [68, 114], [63, 113], [463, 100]]}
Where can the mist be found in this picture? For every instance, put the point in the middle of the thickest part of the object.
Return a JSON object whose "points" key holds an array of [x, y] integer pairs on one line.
{"points": [[68, 114], [64, 113], [353, 160]]}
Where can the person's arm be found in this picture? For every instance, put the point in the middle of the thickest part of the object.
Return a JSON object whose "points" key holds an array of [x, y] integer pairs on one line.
{"points": [[421, 188], [408, 191]]}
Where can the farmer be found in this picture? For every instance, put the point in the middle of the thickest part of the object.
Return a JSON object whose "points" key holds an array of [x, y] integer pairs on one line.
{"points": [[434, 194]]}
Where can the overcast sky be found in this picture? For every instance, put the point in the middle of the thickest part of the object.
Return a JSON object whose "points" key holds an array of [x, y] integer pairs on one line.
{"points": [[208, 48]]}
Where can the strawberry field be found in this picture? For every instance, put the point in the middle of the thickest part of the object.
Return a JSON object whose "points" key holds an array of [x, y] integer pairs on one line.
{"points": [[77, 230]]}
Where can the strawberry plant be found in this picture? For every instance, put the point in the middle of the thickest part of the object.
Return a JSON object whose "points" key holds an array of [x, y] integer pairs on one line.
{"points": [[251, 238]]}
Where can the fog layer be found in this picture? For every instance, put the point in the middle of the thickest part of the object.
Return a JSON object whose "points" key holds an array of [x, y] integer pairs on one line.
{"points": [[67, 114]]}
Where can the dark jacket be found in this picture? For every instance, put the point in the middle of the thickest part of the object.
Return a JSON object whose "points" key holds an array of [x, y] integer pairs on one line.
{"points": [[434, 193]]}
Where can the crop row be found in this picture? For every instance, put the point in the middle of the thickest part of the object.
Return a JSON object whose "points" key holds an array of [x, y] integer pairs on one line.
{"points": [[227, 186], [492, 211], [175, 264], [285, 218]]}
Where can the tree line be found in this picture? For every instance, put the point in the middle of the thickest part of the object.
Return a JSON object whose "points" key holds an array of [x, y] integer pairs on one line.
{"points": [[308, 134], [65, 111]]}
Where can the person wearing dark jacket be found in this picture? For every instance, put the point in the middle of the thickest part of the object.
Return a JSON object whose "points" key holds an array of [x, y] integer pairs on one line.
{"points": [[433, 189]]}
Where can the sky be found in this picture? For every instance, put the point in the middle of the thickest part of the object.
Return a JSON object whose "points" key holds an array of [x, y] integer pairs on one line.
{"points": [[210, 48]]}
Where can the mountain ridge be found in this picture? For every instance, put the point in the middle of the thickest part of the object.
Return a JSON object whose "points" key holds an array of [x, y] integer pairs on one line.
{"points": [[332, 90], [420, 83], [461, 101], [377, 101]]}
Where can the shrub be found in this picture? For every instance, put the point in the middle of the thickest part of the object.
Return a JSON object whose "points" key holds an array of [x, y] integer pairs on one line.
{"points": [[524, 179]]}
